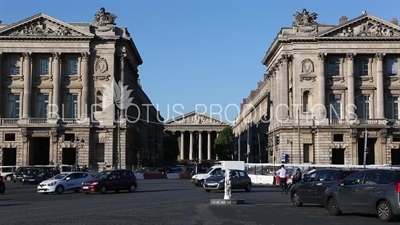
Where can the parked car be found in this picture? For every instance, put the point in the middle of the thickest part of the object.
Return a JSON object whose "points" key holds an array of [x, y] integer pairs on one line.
{"points": [[374, 191], [312, 186], [217, 182], [33, 176], [2, 186], [111, 180], [70, 181]]}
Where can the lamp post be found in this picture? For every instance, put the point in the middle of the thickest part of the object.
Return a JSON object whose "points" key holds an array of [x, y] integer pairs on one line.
{"points": [[365, 134], [298, 133]]}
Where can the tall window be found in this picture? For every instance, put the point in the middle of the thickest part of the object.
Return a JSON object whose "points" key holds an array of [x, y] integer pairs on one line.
{"points": [[306, 101], [15, 66], [42, 107], [71, 106], [334, 67], [335, 106], [72, 66], [362, 67], [391, 67], [99, 101], [13, 106], [392, 107], [363, 107], [44, 66]]}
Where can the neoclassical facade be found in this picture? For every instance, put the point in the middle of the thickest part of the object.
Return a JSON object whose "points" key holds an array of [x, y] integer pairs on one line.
{"points": [[325, 86], [196, 133], [57, 82]]}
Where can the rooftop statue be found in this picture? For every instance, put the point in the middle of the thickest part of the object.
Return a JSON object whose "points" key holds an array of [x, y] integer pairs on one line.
{"points": [[102, 18], [305, 18]]}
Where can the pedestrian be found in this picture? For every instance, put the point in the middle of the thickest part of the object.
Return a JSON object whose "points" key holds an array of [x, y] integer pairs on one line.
{"points": [[296, 178], [282, 179]]}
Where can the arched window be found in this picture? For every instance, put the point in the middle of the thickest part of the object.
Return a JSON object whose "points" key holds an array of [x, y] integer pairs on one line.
{"points": [[99, 101], [306, 101]]}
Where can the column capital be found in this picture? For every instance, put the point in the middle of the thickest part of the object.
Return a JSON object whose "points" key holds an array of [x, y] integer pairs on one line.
{"points": [[27, 55], [56, 55], [380, 55], [322, 56], [285, 59], [350, 56], [85, 55]]}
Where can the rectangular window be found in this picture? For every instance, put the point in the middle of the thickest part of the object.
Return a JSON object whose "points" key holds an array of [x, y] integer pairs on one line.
{"points": [[335, 101], [391, 67], [72, 66], [44, 66], [362, 67], [71, 106], [15, 66], [363, 107], [99, 101], [43, 103], [334, 67], [392, 107], [13, 105]]}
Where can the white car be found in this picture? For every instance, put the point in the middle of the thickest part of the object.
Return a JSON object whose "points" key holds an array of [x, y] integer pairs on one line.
{"points": [[69, 181]]}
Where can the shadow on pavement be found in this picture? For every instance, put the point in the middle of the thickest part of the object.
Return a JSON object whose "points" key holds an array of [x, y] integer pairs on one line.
{"points": [[6, 205]]}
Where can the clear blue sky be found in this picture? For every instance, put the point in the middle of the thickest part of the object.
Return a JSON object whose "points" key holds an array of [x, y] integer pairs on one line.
{"points": [[199, 52]]}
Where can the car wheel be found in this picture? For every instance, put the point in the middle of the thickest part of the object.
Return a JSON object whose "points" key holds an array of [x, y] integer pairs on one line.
{"points": [[384, 211], [201, 183], [132, 188], [8, 178], [296, 199], [333, 207], [59, 189], [248, 187], [103, 190]]}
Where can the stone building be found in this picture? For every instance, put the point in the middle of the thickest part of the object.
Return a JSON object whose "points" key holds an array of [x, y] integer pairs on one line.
{"points": [[196, 133], [324, 88], [58, 88]]}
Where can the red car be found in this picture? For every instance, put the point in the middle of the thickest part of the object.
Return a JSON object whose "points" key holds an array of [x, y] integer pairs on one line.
{"points": [[111, 180]]}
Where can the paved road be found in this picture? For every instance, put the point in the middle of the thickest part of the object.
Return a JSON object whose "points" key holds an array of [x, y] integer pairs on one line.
{"points": [[164, 202]]}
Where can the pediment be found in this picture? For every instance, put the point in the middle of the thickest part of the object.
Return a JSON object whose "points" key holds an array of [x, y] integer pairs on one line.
{"points": [[363, 26], [42, 25], [195, 118]]}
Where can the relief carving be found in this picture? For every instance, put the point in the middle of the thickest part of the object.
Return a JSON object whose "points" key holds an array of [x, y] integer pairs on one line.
{"points": [[368, 28], [307, 66], [197, 119], [39, 28], [100, 65]]}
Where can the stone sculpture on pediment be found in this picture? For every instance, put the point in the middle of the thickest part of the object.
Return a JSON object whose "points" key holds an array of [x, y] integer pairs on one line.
{"points": [[103, 18], [42, 28], [304, 22], [367, 29]]}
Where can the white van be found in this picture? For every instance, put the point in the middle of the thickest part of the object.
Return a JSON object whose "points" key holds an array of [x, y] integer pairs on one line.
{"points": [[198, 179]]}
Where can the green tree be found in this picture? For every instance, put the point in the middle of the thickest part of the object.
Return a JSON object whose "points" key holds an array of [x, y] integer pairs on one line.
{"points": [[223, 144], [171, 147]]}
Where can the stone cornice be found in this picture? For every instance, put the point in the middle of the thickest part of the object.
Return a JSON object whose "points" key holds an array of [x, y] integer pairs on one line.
{"points": [[195, 127], [45, 38]]}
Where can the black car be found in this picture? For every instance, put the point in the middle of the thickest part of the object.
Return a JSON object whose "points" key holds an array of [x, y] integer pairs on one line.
{"points": [[375, 191], [312, 187], [33, 176], [2, 186], [217, 182]]}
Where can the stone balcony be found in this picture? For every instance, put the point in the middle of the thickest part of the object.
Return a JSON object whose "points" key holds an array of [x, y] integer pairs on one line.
{"points": [[46, 122]]}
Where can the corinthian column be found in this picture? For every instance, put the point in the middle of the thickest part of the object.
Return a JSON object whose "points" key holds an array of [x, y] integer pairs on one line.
{"points": [[321, 87], [27, 85], [350, 107], [57, 84], [191, 145], [85, 84], [208, 145], [182, 153], [284, 88], [200, 146], [379, 87], [122, 80]]}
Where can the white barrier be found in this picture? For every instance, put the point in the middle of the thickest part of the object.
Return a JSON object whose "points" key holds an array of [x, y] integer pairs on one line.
{"points": [[139, 176], [173, 176], [262, 179]]}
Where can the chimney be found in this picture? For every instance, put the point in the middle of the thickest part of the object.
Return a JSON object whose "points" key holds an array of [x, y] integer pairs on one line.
{"points": [[394, 21], [343, 20]]}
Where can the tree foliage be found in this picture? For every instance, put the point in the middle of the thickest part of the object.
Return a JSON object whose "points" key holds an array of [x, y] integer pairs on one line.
{"points": [[224, 144], [171, 147]]}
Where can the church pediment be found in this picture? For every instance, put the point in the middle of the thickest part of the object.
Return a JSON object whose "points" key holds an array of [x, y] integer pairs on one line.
{"points": [[363, 26], [196, 118], [42, 25]]}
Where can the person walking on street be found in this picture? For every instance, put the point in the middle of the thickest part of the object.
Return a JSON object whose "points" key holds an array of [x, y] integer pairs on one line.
{"points": [[282, 179]]}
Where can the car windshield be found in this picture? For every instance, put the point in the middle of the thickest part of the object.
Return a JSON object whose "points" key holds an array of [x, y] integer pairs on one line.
{"points": [[59, 176], [220, 173], [209, 170], [102, 175]]}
